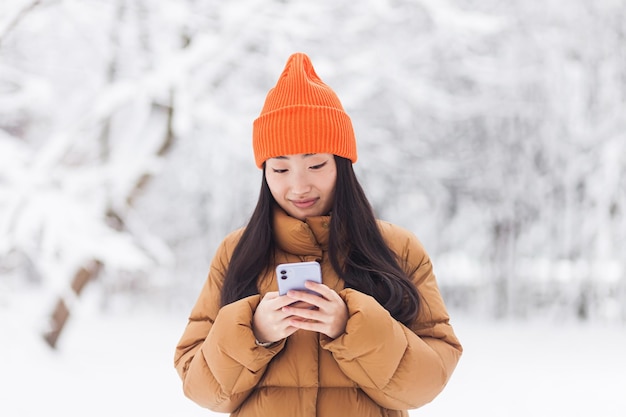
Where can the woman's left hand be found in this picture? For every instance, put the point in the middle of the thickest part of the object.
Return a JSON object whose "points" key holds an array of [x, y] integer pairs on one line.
{"points": [[329, 314]]}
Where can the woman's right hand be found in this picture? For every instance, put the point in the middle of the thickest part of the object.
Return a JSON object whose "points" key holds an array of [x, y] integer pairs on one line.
{"points": [[270, 323]]}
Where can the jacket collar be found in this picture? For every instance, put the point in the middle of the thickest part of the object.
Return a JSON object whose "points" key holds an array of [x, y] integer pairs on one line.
{"points": [[302, 238]]}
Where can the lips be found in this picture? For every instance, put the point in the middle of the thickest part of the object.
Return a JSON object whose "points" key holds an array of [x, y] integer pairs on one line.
{"points": [[303, 204]]}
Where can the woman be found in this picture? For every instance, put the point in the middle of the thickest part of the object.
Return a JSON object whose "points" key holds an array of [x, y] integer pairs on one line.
{"points": [[377, 342]]}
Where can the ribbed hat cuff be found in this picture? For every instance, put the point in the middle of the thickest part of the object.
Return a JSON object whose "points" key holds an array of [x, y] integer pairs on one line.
{"points": [[303, 129]]}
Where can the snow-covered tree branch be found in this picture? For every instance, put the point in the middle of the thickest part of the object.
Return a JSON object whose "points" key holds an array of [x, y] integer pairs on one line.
{"points": [[493, 130]]}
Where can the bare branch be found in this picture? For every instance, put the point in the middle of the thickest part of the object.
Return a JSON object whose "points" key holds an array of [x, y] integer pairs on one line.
{"points": [[19, 16]]}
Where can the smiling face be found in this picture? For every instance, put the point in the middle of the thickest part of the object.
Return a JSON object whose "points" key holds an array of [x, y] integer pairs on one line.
{"points": [[302, 184]]}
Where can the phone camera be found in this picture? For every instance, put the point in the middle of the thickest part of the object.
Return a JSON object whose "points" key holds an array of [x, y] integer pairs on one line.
{"points": [[283, 277]]}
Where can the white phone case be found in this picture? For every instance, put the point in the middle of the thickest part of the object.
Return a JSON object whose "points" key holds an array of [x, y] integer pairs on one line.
{"points": [[294, 275]]}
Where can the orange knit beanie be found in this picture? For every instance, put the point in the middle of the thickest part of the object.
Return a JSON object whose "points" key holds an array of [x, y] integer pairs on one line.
{"points": [[302, 115]]}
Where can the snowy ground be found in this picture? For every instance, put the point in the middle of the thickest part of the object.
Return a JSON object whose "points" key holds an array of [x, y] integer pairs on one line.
{"points": [[121, 365]]}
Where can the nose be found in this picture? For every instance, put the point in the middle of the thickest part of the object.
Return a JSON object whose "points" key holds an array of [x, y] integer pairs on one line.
{"points": [[300, 183]]}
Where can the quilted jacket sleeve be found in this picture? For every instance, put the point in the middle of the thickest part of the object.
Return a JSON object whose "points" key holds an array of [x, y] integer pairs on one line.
{"points": [[398, 367], [216, 357]]}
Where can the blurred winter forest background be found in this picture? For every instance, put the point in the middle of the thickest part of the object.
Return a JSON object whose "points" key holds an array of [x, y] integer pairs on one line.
{"points": [[495, 130]]}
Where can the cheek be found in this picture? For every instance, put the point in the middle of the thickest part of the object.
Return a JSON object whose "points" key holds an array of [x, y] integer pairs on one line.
{"points": [[274, 186], [329, 193], [330, 189], [331, 196]]}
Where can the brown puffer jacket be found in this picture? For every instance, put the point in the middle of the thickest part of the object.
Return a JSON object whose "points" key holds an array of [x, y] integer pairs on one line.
{"points": [[378, 367]]}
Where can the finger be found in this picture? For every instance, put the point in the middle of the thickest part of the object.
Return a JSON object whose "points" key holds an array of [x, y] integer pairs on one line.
{"points": [[301, 304], [306, 325], [274, 301], [319, 322], [306, 297], [321, 289], [271, 295], [285, 300], [304, 313], [311, 325]]}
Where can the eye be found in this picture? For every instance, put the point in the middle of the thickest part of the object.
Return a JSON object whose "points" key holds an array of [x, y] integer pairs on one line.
{"points": [[279, 171], [318, 166]]}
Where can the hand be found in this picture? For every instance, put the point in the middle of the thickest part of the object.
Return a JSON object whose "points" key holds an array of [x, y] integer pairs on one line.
{"points": [[270, 323], [328, 316]]}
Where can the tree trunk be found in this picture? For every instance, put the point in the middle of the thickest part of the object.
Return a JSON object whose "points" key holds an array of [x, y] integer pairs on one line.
{"points": [[61, 311]]}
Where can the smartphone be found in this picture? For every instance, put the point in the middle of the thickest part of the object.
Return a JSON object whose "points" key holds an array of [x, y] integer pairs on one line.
{"points": [[292, 276]]}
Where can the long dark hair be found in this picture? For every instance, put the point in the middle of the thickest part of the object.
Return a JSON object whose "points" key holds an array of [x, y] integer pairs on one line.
{"points": [[357, 250]]}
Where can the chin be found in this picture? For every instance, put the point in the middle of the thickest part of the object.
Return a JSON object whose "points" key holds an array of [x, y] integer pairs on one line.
{"points": [[303, 215]]}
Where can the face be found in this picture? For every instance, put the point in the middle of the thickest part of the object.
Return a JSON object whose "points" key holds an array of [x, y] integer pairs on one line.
{"points": [[302, 184]]}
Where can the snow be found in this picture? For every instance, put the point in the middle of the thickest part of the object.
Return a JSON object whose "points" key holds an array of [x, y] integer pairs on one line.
{"points": [[502, 116], [487, 128], [121, 363]]}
